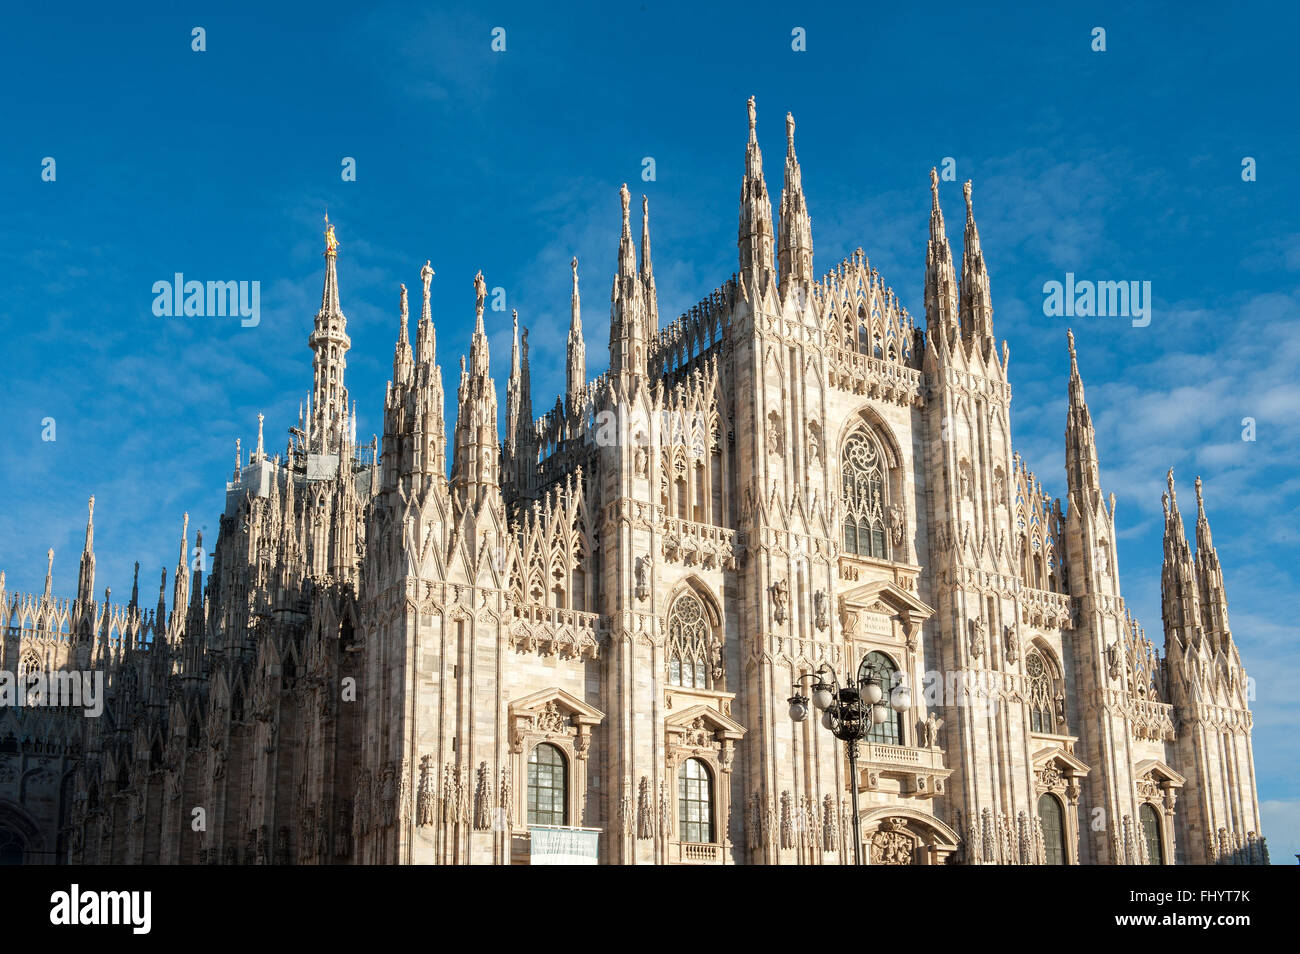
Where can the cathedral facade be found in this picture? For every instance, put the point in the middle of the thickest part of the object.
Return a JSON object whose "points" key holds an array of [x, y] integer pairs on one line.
{"points": [[594, 628]]}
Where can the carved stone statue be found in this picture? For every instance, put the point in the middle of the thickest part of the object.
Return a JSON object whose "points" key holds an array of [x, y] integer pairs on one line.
{"points": [[896, 524], [821, 618], [641, 569], [930, 731], [1010, 643], [780, 596], [978, 628]]}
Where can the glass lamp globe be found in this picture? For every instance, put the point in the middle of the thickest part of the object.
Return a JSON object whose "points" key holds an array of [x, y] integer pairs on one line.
{"points": [[878, 714], [798, 709], [826, 720], [822, 696], [901, 699], [872, 692]]}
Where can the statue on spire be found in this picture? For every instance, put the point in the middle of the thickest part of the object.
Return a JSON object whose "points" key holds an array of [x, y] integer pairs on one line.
{"points": [[426, 276], [480, 291], [753, 117], [331, 243]]}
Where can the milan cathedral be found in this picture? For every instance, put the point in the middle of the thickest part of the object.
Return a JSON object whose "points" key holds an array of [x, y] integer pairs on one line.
{"points": [[595, 625]]}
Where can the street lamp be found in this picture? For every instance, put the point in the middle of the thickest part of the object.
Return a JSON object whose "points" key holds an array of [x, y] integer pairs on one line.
{"points": [[849, 711]]}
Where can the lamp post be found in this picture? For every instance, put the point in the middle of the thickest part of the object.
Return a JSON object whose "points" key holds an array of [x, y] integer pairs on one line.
{"points": [[849, 711]]}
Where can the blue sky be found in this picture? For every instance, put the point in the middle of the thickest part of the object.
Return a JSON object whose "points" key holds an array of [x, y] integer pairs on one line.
{"points": [[1117, 165]]}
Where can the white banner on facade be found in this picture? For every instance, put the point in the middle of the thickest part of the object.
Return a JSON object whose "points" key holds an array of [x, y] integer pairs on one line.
{"points": [[564, 846]]}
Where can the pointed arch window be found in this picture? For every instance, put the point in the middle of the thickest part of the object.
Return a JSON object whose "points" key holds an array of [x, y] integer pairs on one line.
{"points": [[882, 669], [1053, 821], [548, 786], [1042, 694], [864, 495], [694, 654]]}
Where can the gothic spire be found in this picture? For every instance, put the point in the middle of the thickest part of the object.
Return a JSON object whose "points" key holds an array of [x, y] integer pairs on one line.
{"points": [[329, 342], [755, 236], [1080, 440], [976, 302], [478, 349], [329, 298], [512, 392], [627, 318], [477, 453], [180, 579], [1178, 590], [86, 574], [577, 350], [647, 272], [402, 360], [1209, 575], [941, 309], [794, 255], [425, 334], [626, 251]]}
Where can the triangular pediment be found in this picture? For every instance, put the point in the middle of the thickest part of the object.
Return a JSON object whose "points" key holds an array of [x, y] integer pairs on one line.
{"points": [[1061, 757], [1160, 770], [713, 719], [581, 713], [898, 601]]}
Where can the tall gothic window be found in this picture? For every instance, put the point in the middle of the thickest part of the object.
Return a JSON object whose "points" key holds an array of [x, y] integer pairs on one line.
{"points": [[695, 802], [1042, 693], [1053, 821], [882, 668], [1151, 834], [694, 658], [548, 786], [862, 482]]}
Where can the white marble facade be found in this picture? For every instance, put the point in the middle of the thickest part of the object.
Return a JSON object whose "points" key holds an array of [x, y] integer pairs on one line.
{"points": [[597, 623]]}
